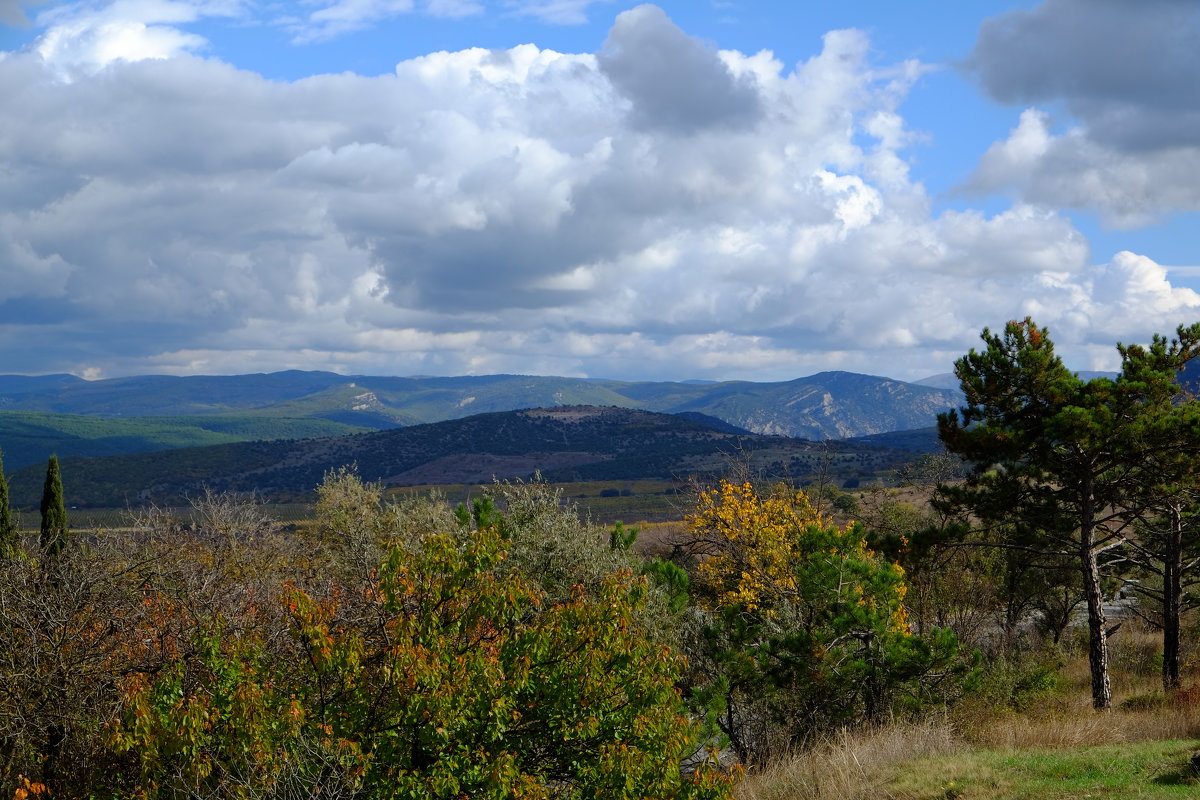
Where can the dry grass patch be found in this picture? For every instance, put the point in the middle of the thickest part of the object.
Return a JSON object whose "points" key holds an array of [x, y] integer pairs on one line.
{"points": [[660, 538], [851, 765], [1085, 727], [1121, 754], [1062, 748]]}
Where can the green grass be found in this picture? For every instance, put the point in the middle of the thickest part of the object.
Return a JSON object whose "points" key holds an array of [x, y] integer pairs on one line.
{"points": [[1137, 770]]}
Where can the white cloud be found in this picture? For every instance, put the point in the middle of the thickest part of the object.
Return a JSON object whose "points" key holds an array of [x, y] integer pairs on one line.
{"points": [[343, 16], [671, 80], [555, 12], [83, 38], [1126, 73], [88, 45], [519, 210], [1074, 170]]}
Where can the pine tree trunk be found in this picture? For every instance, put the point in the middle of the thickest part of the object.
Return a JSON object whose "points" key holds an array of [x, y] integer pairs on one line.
{"points": [[1097, 639], [1172, 598]]}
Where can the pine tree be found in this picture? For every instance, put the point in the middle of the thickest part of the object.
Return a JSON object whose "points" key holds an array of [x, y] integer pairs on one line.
{"points": [[54, 513], [8, 530], [1069, 464]]}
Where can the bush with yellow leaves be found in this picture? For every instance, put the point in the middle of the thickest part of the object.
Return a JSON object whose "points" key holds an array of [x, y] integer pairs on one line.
{"points": [[806, 628]]}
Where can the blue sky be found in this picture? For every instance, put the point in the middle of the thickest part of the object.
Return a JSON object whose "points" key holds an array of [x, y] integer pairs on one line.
{"points": [[743, 189]]}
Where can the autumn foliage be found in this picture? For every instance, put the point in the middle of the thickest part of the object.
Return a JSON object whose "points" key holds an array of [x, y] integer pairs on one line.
{"points": [[238, 661], [505, 650], [808, 630]]}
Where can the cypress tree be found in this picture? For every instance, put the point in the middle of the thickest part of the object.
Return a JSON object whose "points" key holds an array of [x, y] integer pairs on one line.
{"points": [[54, 513], [8, 531]]}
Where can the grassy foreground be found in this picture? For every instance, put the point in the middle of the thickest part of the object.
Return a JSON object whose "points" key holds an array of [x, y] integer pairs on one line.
{"points": [[1140, 770], [1123, 754]]}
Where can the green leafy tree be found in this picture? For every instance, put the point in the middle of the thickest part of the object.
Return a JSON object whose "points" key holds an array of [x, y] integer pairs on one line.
{"points": [[471, 688], [808, 629], [8, 529], [949, 586], [448, 674], [218, 722], [1065, 464], [54, 513]]}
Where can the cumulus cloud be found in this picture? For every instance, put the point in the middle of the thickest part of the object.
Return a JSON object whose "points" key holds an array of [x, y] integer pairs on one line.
{"points": [[81, 39], [519, 210], [671, 80], [1125, 73]]}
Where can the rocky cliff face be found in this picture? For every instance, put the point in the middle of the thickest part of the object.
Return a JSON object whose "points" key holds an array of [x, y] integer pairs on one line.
{"points": [[831, 405]]}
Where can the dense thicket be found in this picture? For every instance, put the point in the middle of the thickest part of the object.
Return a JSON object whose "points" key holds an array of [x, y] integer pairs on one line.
{"points": [[396, 651], [509, 649], [806, 629]]}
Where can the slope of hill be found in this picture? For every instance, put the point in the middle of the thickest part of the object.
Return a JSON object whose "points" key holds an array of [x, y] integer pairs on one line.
{"points": [[347, 403], [920, 440], [949, 381], [564, 443], [943, 380], [15, 386], [164, 395], [827, 405], [29, 437]]}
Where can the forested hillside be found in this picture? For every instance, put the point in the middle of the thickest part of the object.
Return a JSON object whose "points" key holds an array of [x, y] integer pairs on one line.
{"points": [[29, 437], [564, 444]]}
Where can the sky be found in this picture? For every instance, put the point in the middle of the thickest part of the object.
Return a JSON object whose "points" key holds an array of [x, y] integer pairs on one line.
{"points": [[693, 189]]}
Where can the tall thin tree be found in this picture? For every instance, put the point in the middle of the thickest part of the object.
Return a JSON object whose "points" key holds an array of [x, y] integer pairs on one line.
{"points": [[54, 513]]}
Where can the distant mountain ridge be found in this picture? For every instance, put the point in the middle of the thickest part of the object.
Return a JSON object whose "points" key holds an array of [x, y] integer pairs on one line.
{"points": [[565, 443], [822, 406]]}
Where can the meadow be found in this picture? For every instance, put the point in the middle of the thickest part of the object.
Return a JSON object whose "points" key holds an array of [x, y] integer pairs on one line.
{"points": [[1052, 746]]}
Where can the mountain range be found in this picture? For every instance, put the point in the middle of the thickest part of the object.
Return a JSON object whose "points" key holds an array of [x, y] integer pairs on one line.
{"points": [[565, 443], [158, 412]]}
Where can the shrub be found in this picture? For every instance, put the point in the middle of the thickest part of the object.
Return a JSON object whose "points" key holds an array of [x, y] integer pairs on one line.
{"points": [[807, 629], [448, 673]]}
